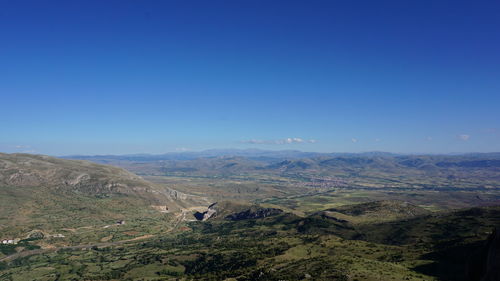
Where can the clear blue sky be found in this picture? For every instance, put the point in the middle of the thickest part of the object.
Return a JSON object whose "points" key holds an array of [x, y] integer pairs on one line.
{"points": [[115, 77]]}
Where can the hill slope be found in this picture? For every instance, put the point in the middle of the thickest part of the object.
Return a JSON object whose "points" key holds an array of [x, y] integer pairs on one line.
{"points": [[43, 192]]}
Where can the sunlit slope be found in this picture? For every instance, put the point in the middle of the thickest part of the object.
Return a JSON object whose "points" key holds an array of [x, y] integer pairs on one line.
{"points": [[43, 192]]}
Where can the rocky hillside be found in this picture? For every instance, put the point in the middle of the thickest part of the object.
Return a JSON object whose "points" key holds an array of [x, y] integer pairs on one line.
{"points": [[26, 170], [235, 211], [45, 191]]}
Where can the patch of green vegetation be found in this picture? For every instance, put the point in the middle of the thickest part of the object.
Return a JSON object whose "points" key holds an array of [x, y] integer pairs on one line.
{"points": [[8, 249], [428, 199], [283, 247]]}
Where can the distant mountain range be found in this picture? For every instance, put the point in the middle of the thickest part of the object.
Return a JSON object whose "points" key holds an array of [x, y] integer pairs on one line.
{"points": [[260, 154], [248, 153], [377, 169]]}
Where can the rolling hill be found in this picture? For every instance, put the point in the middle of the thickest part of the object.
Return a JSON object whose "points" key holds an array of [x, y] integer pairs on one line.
{"points": [[42, 192], [376, 169]]}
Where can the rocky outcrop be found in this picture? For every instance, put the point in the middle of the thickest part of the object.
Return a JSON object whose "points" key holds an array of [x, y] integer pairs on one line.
{"points": [[211, 212], [253, 213], [35, 234], [234, 212]]}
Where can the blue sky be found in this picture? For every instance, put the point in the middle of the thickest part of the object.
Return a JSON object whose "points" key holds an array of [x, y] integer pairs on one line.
{"points": [[117, 77]]}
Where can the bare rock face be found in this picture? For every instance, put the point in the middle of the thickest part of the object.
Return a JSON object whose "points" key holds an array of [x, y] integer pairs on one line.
{"points": [[80, 179], [177, 194], [23, 178], [211, 212]]}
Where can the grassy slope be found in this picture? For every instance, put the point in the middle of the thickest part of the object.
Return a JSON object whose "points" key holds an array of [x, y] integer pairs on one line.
{"points": [[28, 208]]}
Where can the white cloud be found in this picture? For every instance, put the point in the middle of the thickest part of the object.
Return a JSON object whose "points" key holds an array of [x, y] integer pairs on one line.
{"points": [[428, 138], [354, 140], [22, 146], [463, 137], [289, 140], [377, 140], [280, 141]]}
